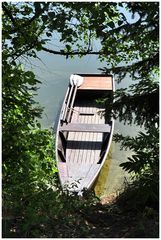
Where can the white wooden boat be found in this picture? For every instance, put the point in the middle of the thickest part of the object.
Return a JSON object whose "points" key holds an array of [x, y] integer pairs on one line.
{"points": [[83, 135]]}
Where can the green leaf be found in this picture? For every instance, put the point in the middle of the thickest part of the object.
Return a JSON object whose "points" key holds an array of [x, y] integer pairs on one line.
{"points": [[111, 24], [48, 34], [51, 15], [38, 125], [120, 22], [37, 6], [44, 18]]}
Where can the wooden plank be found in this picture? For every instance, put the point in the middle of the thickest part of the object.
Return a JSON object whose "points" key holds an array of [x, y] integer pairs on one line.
{"points": [[81, 174], [92, 136], [78, 170], [70, 152], [97, 83], [92, 170], [87, 145], [77, 152], [101, 120], [96, 152], [81, 135], [82, 127], [86, 150]]}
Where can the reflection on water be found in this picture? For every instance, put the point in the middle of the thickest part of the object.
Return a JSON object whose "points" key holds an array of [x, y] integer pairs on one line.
{"points": [[112, 177], [100, 184]]}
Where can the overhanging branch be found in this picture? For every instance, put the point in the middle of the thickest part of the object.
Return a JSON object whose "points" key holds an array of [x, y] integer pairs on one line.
{"points": [[62, 52]]}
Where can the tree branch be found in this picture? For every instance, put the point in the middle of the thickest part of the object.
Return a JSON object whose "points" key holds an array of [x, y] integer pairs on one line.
{"points": [[27, 23], [62, 52]]}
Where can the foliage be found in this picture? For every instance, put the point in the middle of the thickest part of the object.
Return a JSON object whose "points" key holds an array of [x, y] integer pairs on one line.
{"points": [[143, 163], [140, 103], [59, 215], [21, 30], [32, 204], [28, 152], [48, 213], [130, 48], [138, 49], [28, 155]]}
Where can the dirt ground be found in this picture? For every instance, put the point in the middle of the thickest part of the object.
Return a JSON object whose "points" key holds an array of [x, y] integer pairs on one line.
{"points": [[109, 220]]}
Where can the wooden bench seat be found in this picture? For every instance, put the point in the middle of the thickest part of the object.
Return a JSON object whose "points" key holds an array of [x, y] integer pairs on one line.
{"points": [[82, 127]]}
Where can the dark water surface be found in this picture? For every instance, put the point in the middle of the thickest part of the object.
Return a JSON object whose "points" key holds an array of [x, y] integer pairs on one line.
{"points": [[54, 73]]}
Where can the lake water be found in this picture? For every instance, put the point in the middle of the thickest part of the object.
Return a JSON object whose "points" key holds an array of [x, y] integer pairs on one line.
{"points": [[54, 73]]}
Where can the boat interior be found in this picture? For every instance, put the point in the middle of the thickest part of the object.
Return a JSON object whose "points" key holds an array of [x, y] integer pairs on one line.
{"points": [[83, 137], [83, 134]]}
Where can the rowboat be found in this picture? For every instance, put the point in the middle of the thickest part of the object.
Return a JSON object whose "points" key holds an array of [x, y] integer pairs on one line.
{"points": [[84, 133]]}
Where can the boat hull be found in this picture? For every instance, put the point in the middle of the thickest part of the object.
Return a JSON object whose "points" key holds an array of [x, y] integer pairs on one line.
{"points": [[84, 135]]}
